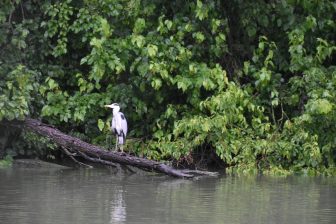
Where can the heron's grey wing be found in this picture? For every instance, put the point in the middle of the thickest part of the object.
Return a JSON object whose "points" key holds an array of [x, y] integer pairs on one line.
{"points": [[123, 123], [113, 125]]}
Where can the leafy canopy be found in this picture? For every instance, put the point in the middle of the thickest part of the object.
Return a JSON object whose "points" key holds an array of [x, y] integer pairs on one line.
{"points": [[252, 82]]}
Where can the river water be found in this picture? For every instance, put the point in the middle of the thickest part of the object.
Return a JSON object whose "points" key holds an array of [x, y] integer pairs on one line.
{"points": [[43, 196]]}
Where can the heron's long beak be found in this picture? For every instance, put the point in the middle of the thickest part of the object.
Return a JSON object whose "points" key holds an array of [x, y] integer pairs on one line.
{"points": [[110, 106]]}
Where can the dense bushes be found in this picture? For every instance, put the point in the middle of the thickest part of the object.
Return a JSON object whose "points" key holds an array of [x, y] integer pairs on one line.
{"points": [[252, 81]]}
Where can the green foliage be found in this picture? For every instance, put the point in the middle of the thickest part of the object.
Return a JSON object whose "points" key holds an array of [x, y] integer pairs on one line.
{"points": [[16, 90], [6, 162], [36, 146], [252, 81]]}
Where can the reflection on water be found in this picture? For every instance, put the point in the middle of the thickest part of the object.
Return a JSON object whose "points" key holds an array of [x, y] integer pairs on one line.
{"points": [[99, 196], [118, 209]]}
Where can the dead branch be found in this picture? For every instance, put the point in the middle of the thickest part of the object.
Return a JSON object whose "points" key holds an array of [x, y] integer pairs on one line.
{"points": [[71, 155], [104, 162], [98, 154]]}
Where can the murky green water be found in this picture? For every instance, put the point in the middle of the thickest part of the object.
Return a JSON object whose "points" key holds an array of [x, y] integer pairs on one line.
{"points": [[35, 196]]}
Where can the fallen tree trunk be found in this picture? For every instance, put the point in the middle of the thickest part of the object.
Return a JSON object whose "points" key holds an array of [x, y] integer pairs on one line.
{"points": [[97, 154]]}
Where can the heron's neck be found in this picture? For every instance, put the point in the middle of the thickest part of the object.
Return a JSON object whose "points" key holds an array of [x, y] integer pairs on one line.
{"points": [[115, 111]]}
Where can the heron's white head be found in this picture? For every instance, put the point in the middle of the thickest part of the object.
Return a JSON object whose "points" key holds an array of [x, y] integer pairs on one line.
{"points": [[114, 106]]}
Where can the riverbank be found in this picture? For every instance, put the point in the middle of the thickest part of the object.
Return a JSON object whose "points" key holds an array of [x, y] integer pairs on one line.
{"points": [[36, 163]]}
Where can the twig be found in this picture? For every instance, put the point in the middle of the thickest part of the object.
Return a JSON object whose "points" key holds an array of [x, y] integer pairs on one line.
{"points": [[68, 152], [71, 155], [97, 160], [127, 168], [22, 11]]}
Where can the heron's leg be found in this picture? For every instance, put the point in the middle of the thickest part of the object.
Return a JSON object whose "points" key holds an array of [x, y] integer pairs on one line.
{"points": [[122, 148], [116, 146], [109, 142]]}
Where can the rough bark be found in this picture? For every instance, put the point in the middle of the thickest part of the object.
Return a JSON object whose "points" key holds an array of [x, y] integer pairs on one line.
{"points": [[96, 153]]}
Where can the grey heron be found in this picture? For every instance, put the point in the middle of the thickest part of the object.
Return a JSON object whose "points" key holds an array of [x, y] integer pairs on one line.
{"points": [[119, 125]]}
